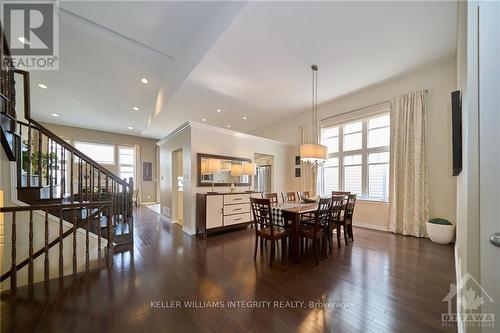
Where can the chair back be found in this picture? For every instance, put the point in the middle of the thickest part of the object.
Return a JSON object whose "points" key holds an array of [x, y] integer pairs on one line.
{"points": [[289, 197], [273, 197], [304, 194], [337, 206], [323, 214], [341, 193], [262, 215], [349, 211]]}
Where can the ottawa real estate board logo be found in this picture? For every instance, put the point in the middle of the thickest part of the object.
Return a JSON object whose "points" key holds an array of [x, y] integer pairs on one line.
{"points": [[31, 30], [470, 297]]}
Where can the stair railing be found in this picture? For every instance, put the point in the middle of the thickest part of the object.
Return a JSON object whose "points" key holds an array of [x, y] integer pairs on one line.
{"points": [[52, 168], [95, 210]]}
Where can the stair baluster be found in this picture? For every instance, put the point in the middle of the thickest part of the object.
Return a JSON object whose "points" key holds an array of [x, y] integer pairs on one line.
{"points": [[13, 268], [30, 254], [28, 180], [61, 245], [74, 242], [39, 167], [46, 248]]}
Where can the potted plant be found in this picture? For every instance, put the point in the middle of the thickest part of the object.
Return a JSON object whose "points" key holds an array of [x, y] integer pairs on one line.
{"points": [[440, 230], [49, 162]]}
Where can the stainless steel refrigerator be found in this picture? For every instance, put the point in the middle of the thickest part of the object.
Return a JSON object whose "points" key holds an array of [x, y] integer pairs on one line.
{"points": [[263, 178]]}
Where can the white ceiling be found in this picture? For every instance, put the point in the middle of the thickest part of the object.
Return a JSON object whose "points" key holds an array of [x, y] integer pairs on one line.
{"points": [[249, 59]]}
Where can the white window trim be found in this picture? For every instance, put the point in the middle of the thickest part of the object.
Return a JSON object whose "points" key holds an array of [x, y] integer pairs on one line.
{"points": [[364, 151], [134, 160], [99, 144]]}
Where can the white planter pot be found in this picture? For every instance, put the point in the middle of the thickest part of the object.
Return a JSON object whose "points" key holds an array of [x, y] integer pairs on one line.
{"points": [[439, 233]]}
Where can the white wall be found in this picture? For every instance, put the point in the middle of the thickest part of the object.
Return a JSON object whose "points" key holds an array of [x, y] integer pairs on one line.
{"points": [[440, 80], [213, 140], [181, 140], [200, 138]]}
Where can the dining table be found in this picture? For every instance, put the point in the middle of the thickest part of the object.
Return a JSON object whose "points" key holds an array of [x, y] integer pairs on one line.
{"points": [[291, 215]]}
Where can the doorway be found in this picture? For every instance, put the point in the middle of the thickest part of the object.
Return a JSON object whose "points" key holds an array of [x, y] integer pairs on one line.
{"points": [[177, 187], [264, 175]]}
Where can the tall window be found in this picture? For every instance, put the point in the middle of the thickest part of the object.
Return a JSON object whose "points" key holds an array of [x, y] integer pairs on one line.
{"points": [[99, 152], [126, 160], [358, 158]]}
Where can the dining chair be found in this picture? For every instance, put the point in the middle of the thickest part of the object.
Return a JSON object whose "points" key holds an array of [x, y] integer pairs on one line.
{"points": [[349, 212], [288, 197], [273, 197], [336, 215], [303, 194], [316, 230], [266, 228], [345, 195]]}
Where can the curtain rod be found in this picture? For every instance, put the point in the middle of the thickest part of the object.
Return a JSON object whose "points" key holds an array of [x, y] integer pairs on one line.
{"points": [[364, 107]]}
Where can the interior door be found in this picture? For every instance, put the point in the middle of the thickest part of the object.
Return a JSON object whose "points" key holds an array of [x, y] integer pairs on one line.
{"points": [[489, 155]]}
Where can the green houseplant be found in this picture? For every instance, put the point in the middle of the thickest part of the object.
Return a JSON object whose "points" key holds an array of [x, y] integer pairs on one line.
{"points": [[49, 161]]}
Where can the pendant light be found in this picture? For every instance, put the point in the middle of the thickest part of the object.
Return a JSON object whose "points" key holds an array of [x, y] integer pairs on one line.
{"points": [[314, 154]]}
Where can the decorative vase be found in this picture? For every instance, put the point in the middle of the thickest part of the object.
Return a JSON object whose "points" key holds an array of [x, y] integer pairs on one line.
{"points": [[440, 233], [232, 188]]}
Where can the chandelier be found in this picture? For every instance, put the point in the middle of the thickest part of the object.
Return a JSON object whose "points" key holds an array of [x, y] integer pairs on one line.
{"points": [[314, 154]]}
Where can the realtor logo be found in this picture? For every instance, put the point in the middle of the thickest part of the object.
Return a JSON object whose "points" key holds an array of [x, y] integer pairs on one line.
{"points": [[32, 32], [470, 296]]}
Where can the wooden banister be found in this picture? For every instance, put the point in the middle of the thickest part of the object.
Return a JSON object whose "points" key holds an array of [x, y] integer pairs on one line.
{"points": [[102, 207], [58, 156]]}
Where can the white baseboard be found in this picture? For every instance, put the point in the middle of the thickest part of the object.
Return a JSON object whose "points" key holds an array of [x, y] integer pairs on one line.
{"points": [[148, 203], [188, 231], [371, 226]]}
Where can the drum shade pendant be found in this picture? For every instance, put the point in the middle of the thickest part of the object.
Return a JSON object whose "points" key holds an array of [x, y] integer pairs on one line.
{"points": [[314, 154]]}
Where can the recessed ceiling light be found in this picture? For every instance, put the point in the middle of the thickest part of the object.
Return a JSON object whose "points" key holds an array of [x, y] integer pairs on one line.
{"points": [[43, 86], [228, 126], [136, 108], [130, 128], [24, 41], [244, 118], [144, 80], [219, 110], [203, 120], [54, 115]]}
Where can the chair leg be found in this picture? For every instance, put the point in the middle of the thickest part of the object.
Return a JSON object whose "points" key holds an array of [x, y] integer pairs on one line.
{"points": [[255, 249], [272, 254], [315, 245], [338, 235], [351, 234], [345, 234], [324, 250], [283, 248]]}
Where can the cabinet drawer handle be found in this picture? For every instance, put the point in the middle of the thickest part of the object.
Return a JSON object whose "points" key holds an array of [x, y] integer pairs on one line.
{"points": [[239, 218], [237, 198], [237, 208]]}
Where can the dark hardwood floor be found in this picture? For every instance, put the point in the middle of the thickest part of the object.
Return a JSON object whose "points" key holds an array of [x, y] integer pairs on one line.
{"points": [[380, 283]]}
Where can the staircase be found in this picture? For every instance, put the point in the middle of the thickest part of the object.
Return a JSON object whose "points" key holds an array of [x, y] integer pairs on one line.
{"points": [[60, 181]]}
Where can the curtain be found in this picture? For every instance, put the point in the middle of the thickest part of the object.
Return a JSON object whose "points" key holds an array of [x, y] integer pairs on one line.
{"points": [[409, 207], [308, 177], [138, 173]]}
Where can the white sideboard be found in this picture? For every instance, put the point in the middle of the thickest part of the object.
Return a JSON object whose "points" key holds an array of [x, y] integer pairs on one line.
{"points": [[220, 211]]}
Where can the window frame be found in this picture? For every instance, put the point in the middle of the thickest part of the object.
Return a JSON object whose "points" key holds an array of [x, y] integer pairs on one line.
{"points": [[364, 152], [120, 164], [75, 142]]}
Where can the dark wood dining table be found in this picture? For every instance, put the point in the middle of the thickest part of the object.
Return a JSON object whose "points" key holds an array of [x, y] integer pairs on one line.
{"points": [[293, 216]]}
